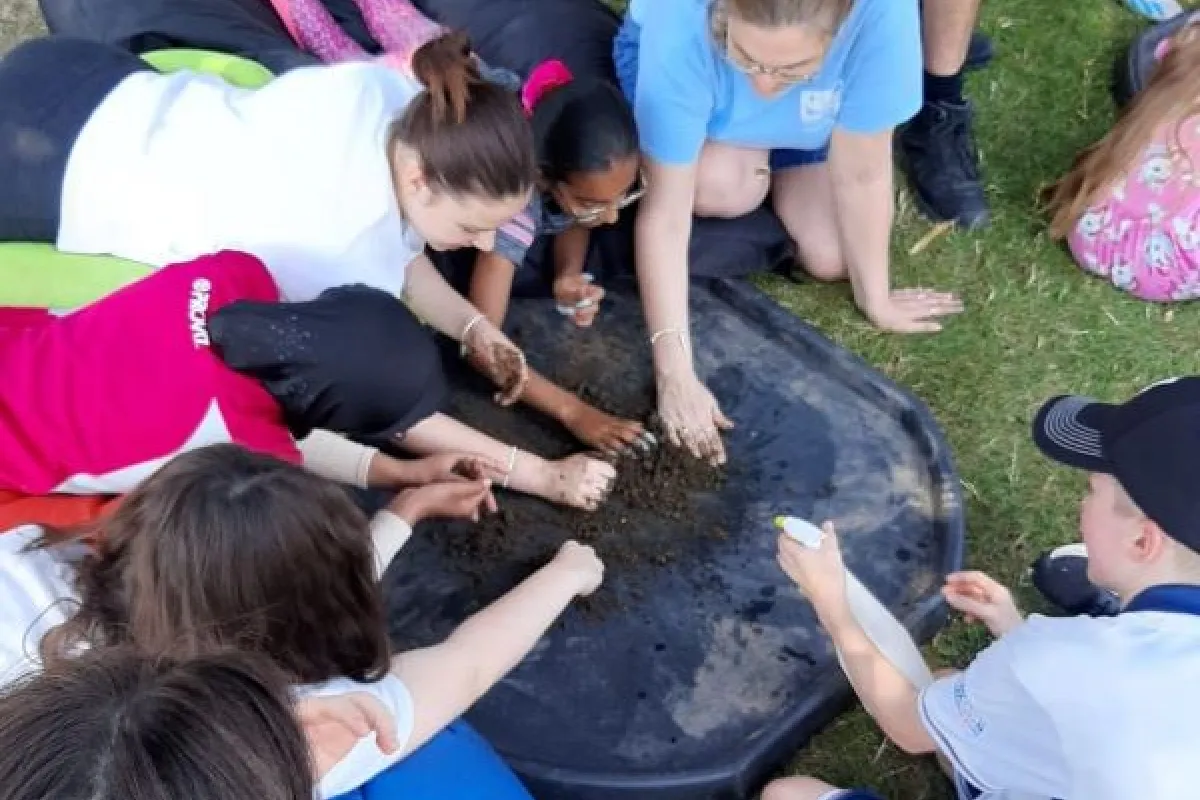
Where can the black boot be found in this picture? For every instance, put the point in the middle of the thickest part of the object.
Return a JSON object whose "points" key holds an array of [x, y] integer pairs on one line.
{"points": [[1061, 577], [979, 52], [942, 163]]}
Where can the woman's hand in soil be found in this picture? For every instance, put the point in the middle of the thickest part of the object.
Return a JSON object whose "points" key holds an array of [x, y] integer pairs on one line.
{"points": [[578, 298], [580, 481], [494, 354], [334, 724], [581, 561], [452, 467], [610, 435], [981, 598], [691, 417], [913, 311], [817, 571], [457, 499]]}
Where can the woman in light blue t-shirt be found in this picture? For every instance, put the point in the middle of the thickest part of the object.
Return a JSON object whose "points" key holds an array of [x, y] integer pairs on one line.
{"points": [[798, 98]]}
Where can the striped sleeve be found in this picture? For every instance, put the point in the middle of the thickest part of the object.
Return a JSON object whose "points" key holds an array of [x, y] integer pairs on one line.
{"points": [[515, 237]]}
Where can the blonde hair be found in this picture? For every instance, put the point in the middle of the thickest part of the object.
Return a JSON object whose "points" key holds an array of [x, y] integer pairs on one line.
{"points": [[826, 15], [1171, 97]]}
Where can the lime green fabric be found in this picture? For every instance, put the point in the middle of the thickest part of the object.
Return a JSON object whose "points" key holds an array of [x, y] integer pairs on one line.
{"points": [[234, 69], [38, 275]]}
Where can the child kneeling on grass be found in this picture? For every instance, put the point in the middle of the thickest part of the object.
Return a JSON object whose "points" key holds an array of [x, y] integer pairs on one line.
{"points": [[1095, 708]]}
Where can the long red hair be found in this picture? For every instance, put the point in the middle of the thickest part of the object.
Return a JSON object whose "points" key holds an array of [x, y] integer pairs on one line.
{"points": [[1171, 96]]}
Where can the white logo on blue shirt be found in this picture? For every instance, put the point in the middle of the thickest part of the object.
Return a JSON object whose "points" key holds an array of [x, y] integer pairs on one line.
{"points": [[820, 105]]}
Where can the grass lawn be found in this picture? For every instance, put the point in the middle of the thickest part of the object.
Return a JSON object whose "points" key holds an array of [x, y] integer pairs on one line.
{"points": [[1034, 326]]}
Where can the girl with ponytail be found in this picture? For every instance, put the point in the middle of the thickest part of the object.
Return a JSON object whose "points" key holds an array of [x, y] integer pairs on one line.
{"points": [[588, 166], [328, 175]]}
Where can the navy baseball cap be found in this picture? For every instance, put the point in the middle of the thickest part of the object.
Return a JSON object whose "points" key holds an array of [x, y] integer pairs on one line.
{"points": [[1150, 444]]}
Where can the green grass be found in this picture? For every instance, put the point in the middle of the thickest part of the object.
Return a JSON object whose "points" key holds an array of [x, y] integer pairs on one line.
{"points": [[1034, 326]]}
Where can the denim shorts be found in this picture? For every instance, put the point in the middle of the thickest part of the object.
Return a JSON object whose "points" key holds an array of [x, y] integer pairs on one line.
{"points": [[625, 60]]}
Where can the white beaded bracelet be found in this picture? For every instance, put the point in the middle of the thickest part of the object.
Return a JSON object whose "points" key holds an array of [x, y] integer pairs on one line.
{"points": [[512, 462], [466, 331]]}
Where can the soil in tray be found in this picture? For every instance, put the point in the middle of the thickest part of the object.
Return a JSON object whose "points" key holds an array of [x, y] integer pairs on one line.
{"points": [[663, 504]]}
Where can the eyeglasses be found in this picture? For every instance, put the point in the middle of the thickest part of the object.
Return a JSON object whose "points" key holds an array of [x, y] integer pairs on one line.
{"points": [[751, 67], [589, 214]]}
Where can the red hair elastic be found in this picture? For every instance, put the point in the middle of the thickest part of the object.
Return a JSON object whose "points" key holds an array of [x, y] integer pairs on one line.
{"points": [[544, 77]]}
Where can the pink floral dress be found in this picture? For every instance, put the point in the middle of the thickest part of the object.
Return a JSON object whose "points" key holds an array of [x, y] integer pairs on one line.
{"points": [[1144, 234]]}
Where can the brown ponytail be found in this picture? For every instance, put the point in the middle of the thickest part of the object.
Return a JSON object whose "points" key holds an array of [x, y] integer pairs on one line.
{"points": [[472, 137], [444, 65]]}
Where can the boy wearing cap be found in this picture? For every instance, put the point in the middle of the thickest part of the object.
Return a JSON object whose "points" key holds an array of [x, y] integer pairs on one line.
{"points": [[1082, 707]]}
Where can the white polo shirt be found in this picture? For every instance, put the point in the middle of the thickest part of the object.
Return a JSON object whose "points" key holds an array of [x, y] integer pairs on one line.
{"points": [[1078, 709], [36, 595], [171, 167]]}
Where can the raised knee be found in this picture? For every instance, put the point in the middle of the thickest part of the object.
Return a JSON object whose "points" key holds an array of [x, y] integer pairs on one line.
{"points": [[729, 190], [795, 789], [822, 262]]}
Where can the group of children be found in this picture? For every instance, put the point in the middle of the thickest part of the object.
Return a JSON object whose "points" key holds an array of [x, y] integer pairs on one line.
{"points": [[180, 565]]}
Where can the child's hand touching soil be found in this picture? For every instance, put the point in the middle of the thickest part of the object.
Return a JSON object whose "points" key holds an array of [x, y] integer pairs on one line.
{"points": [[581, 561], [458, 499], [610, 435]]}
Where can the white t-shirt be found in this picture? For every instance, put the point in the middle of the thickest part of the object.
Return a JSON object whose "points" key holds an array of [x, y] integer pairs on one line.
{"points": [[172, 167], [1077, 708], [36, 595]]}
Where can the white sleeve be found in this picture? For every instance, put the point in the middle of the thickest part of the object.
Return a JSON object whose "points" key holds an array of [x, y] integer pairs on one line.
{"points": [[366, 760], [337, 458], [388, 534], [991, 727]]}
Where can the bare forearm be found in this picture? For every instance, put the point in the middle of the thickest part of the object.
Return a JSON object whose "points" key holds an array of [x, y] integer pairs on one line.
{"points": [[570, 251], [662, 270], [884, 691], [499, 636], [434, 300], [443, 434], [491, 286], [550, 399], [865, 207]]}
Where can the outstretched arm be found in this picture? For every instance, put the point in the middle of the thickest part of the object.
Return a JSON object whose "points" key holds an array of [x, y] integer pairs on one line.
{"points": [[445, 680]]}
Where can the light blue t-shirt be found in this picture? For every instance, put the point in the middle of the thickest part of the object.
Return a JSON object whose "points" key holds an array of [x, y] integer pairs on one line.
{"points": [[687, 91]]}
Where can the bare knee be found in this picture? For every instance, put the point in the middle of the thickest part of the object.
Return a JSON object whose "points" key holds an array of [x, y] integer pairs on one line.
{"points": [[821, 258], [796, 789], [730, 182]]}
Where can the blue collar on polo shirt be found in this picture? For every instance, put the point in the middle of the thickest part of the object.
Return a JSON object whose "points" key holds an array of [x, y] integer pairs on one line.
{"points": [[1179, 598]]}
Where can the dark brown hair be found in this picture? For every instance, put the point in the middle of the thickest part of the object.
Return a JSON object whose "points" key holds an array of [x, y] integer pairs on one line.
{"points": [[116, 725], [224, 547], [471, 136], [1170, 98]]}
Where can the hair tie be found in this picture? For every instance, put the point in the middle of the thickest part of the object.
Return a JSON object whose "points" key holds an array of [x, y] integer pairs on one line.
{"points": [[544, 77]]}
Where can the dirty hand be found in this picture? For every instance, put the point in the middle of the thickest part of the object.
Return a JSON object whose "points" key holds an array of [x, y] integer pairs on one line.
{"points": [[818, 572], [453, 467], [981, 598], [582, 481], [333, 725], [578, 298], [691, 417], [456, 499], [496, 356], [580, 561], [913, 311], [608, 434]]}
